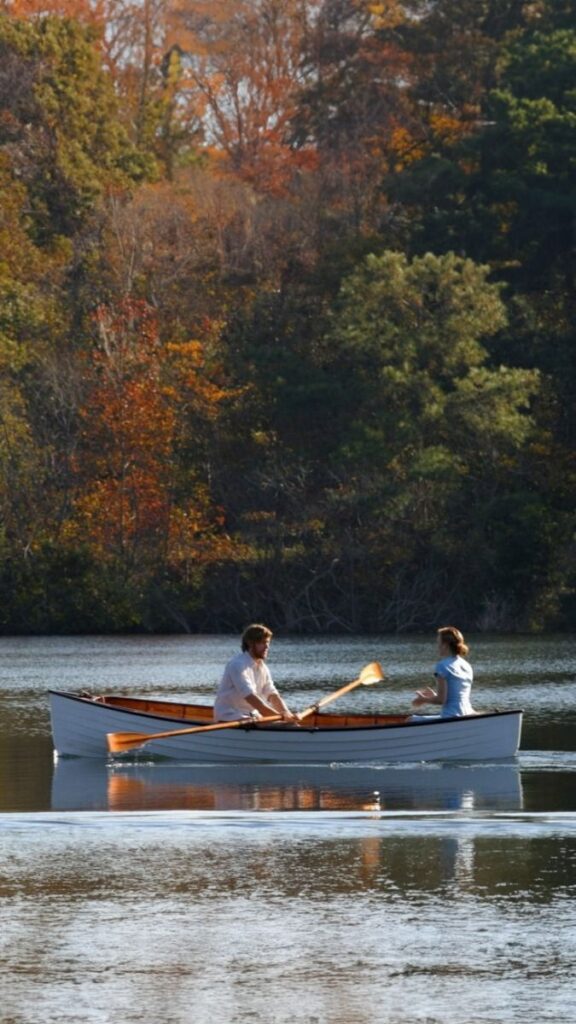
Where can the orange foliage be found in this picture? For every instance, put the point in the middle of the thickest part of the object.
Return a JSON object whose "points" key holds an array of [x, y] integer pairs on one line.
{"points": [[241, 68], [385, 13], [192, 384], [448, 128], [404, 147], [129, 506], [83, 10], [407, 147]]}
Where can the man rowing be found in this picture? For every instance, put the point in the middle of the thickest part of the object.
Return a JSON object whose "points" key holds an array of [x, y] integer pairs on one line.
{"points": [[246, 689]]}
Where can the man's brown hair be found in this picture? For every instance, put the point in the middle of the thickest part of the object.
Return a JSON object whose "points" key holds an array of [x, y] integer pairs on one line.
{"points": [[253, 633]]}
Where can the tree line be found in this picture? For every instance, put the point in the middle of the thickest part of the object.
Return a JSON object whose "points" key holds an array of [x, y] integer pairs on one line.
{"points": [[287, 294]]}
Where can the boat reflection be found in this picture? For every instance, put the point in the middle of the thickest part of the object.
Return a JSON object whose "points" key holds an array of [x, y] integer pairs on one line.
{"points": [[90, 784]]}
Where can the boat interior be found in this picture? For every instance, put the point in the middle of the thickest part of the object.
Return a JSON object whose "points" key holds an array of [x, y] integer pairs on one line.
{"points": [[201, 714]]}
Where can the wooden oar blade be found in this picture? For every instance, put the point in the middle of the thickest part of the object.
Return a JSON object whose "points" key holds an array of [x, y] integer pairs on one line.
{"points": [[120, 741], [371, 673]]}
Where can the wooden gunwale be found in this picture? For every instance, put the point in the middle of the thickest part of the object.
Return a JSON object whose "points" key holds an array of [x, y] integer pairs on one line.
{"points": [[170, 711]]}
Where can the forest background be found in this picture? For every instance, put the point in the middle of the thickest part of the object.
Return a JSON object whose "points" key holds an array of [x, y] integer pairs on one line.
{"points": [[287, 294]]}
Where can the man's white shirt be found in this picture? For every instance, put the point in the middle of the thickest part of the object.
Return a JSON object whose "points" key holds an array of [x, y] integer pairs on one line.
{"points": [[242, 677]]}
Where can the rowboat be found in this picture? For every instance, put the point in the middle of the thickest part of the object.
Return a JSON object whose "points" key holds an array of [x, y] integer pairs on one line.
{"points": [[81, 723]]}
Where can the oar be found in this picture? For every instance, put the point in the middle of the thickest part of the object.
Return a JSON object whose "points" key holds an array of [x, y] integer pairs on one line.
{"points": [[370, 674], [120, 741]]}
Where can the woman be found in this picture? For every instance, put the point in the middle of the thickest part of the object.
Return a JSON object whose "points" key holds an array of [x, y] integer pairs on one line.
{"points": [[453, 676]]}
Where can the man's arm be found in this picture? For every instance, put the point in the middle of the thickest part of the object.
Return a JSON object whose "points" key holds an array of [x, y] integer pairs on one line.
{"points": [[276, 700], [274, 706]]}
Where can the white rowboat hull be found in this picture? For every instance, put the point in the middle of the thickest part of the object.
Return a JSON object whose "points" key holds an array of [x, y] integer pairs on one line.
{"points": [[80, 726]]}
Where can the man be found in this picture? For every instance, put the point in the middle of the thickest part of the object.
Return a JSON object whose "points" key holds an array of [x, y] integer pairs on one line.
{"points": [[246, 689]]}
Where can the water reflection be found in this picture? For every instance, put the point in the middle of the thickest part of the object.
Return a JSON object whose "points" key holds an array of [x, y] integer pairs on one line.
{"points": [[87, 784], [80, 784]]}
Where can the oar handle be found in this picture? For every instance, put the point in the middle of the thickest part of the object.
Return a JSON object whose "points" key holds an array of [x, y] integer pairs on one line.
{"points": [[215, 725], [119, 741]]}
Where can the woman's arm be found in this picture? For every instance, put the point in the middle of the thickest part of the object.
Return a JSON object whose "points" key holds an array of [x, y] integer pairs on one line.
{"points": [[430, 696]]}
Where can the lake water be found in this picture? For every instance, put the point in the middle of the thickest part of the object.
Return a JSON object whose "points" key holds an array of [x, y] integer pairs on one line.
{"points": [[163, 893]]}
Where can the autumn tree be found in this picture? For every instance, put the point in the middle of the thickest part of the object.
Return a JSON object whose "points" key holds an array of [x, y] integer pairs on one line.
{"points": [[144, 518], [23, 308], [240, 68], [62, 149], [351, 108], [243, 372], [190, 247], [133, 41], [79, 10]]}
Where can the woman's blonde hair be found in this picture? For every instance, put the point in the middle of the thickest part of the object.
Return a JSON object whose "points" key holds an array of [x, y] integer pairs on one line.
{"points": [[453, 637]]}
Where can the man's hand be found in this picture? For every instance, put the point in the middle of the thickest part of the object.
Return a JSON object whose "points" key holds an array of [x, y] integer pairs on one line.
{"points": [[291, 717]]}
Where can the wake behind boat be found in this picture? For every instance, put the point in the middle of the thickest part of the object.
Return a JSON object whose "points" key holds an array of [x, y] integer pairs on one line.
{"points": [[81, 723]]}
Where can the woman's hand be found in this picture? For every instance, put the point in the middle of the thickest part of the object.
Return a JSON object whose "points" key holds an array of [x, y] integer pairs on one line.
{"points": [[424, 697]]}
